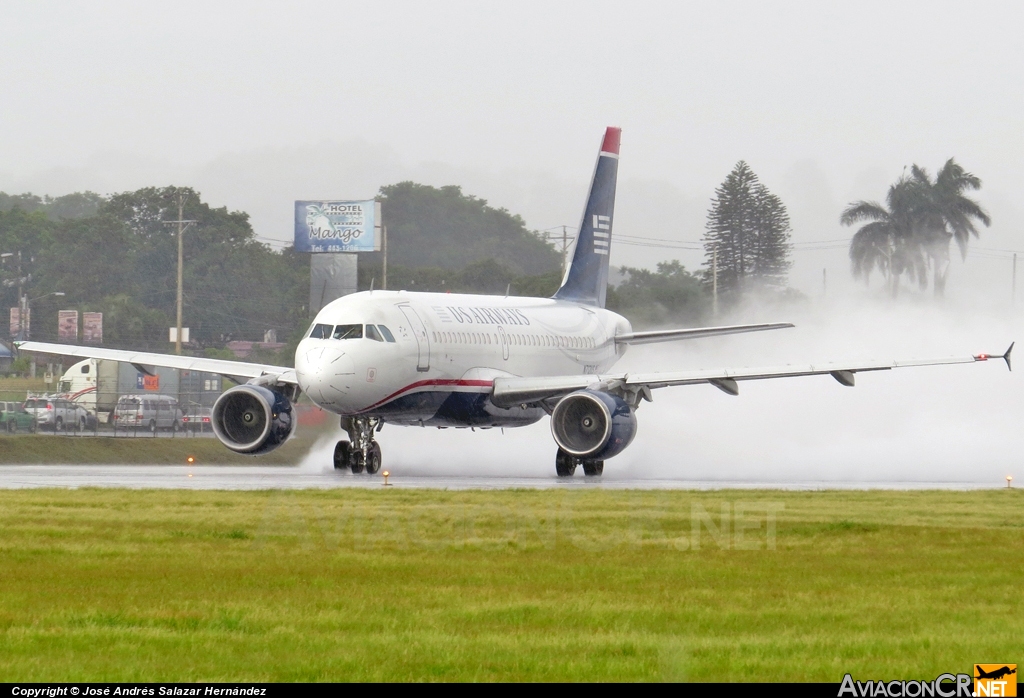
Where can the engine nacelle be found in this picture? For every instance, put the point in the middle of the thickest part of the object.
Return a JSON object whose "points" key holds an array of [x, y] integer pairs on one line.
{"points": [[252, 419], [593, 425]]}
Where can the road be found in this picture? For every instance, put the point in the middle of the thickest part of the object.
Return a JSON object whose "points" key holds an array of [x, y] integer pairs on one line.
{"points": [[291, 477]]}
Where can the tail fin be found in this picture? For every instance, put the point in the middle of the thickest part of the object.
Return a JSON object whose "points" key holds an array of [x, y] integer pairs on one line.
{"points": [[586, 279]]}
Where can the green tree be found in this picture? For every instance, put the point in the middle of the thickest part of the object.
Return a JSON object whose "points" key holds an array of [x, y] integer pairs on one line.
{"points": [[234, 286], [946, 213], [748, 229], [911, 233], [887, 240], [669, 295], [446, 229]]}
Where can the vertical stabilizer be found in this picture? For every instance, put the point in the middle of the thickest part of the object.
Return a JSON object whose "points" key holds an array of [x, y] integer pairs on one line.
{"points": [[586, 279]]}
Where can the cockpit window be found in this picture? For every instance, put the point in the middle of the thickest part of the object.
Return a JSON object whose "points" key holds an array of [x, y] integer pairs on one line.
{"points": [[387, 333], [372, 333], [348, 332], [320, 331]]}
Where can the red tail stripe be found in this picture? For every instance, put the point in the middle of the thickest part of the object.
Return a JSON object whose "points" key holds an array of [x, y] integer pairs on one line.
{"points": [[611, 140]]}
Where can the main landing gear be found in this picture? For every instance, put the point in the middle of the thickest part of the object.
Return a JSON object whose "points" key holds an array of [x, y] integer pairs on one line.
{"points": [[565, 465], [361, 453]]}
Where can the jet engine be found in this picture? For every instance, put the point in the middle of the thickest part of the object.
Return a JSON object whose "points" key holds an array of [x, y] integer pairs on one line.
{"points": [[593, 425], [252, 419]]}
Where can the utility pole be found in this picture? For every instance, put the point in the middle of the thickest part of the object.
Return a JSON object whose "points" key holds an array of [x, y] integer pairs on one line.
{"points": [[182, 227], [565, 250], [714, 281], [384, 247]]}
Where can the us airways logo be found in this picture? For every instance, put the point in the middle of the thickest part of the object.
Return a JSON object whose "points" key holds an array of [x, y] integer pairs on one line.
{"points": [[995, 680], [602, 234], [481, 316]]}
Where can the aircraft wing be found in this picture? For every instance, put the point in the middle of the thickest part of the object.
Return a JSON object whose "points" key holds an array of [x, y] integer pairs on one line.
{"points": [[695, 333], [142, 360], [512, 391]]}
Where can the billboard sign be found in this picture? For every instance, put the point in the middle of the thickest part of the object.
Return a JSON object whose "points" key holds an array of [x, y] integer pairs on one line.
{"points": [[20, 328], [337, 226], [144, 382], [67, 326], [92, 328]]}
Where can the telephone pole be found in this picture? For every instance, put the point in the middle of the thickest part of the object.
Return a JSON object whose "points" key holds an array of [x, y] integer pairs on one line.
{"points": [[384, 247], [714, 281], [182, 227]]}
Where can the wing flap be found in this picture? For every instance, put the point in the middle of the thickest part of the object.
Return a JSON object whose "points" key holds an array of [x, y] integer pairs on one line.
{"points": [[144, 360], [511, 391]]}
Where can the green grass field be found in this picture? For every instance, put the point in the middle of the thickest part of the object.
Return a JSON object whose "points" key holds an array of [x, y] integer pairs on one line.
{"points": [[47, 449], [393, 584]]}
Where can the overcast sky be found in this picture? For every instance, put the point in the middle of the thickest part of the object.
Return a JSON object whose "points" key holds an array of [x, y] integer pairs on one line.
{"points": [[258, 104]]}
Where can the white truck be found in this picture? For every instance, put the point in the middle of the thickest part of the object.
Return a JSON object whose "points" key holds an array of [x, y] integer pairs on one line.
{"points": [[93, 384]]}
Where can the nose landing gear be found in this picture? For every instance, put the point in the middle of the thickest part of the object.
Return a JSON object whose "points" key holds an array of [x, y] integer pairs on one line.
{"points": [[361, 452]]}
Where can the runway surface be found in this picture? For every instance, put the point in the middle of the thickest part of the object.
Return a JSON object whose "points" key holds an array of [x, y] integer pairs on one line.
{"points": [[285, 477]]}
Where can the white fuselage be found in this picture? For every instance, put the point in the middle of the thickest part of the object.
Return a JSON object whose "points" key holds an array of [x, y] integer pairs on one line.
{"points": [[447, 350]]}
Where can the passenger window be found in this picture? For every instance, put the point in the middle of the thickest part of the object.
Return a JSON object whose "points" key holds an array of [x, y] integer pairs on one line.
{"points": [[372, 333], [348, 332], [387, 333], [85, 369]]}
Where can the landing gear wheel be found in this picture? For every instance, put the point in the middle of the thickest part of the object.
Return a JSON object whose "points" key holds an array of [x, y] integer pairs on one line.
{"points": [[565, 465], [341, 455], [355, 462], [373, 459], [593, 468]]}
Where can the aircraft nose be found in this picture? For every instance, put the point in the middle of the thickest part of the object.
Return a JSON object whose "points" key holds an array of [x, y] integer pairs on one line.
{"points": [[325, 373]]}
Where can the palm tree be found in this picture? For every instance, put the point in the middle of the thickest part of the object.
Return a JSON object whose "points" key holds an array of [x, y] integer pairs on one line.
{"points": [[945, 213], [911, 234], [888, 241]]}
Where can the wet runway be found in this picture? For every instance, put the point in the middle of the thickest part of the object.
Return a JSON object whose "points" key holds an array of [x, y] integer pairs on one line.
{"points": [[290, 477]]}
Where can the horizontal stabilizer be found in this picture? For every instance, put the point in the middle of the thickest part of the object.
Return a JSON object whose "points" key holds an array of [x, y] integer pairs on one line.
{"points": [[695, 333]]}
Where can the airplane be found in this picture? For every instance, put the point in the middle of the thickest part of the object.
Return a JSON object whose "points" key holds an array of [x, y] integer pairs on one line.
{"points": [[995, 674], [482, 361]]}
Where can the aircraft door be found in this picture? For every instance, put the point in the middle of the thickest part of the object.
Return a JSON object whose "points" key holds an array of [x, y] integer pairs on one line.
{"points": [[504, 342], [419, 333]]}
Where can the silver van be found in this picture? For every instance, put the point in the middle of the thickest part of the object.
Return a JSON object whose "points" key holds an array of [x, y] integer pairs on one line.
{"points": [[51, 412], [150, 412]]}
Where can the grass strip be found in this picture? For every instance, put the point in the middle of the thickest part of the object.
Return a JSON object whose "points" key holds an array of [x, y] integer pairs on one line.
{"points": [[46, 449], [389, 584]]}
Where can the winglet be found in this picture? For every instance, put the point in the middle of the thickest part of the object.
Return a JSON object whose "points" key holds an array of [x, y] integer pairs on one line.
{"points": [[1005, 356]]}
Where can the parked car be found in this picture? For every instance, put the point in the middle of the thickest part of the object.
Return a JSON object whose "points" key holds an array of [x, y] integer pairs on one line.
{"points": [[150, 412], [51, 412], [14, 418], [81, 419], [197, 419]]}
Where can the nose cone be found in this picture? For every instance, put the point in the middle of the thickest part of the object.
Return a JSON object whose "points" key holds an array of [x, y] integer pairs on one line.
{"points": [[326, 373]]}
